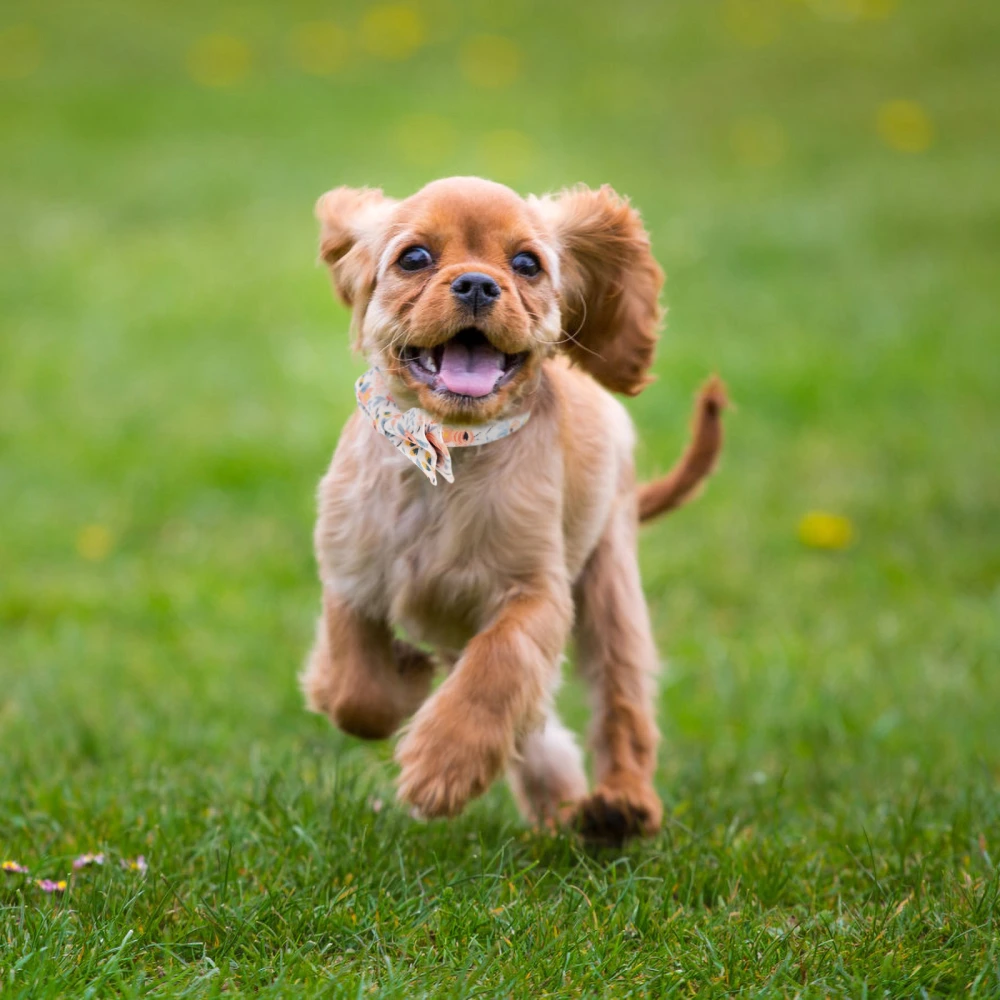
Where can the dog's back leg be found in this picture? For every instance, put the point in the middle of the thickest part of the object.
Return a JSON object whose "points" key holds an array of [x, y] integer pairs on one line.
{"points": [[617, 657], [366, 681], [547, 776]]}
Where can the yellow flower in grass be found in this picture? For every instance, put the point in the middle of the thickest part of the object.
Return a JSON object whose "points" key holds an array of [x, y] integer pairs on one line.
{"points": [[821, 530], [904, 126], [489, 61], [218, 61], [877, 10], [753, 23], [20, 51], [94, 542], [138, 864], [392, 31]]}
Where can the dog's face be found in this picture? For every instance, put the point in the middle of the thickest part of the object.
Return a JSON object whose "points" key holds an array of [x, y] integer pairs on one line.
{"points": [[462, 290], [465, 304]]}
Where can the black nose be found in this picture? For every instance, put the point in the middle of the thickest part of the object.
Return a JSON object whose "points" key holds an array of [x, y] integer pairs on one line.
{"points": [[474, 290]]}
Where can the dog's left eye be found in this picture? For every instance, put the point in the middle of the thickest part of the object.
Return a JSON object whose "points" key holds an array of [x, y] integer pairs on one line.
{"points": [[415, 259], [526, 263]]}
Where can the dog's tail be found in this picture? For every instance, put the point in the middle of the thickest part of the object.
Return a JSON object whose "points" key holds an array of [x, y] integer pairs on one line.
{"points": [[685, 479]]}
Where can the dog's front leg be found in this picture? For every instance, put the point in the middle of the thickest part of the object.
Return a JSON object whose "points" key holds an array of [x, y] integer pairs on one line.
{"points": [[366, 681], [463, 737]]}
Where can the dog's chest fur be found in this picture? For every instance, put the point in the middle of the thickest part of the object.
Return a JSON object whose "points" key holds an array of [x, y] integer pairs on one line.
{"points": [[436, 560], [439, 560]]}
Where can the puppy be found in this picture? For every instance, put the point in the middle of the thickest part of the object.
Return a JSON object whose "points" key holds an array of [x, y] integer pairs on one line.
{"points": [[499, 323]]}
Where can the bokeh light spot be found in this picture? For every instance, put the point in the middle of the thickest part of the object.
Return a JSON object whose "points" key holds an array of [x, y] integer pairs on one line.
{"points": [[392, 31], [507, 154], [94, 542], [489, 61], [219, 60], [877, 10], [759, 141], [836, 10], [425, 140], [820, 529], [20, 51], [904, 126], [753, 23], [318, 47]]}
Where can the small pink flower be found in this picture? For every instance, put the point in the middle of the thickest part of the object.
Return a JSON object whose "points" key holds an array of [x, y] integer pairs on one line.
{"points": [[13, 868], [48, 885], [135, 864], [86, 860]]}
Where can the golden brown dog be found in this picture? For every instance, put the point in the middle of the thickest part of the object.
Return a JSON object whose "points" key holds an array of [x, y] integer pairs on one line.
{"points": [[478, 305]]}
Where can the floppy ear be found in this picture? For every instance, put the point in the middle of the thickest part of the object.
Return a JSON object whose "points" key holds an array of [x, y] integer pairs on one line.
{"points": [[610, 285], [350, 221]]}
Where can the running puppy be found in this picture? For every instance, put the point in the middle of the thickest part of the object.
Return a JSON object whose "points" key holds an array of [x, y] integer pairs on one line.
{"points": [[495, 326]]}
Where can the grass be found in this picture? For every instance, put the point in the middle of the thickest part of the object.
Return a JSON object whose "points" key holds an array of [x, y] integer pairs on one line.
{"points": [[173, 375]]}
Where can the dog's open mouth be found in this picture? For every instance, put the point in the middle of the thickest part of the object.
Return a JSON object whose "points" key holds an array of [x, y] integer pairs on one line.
{"points": [[466, 365]]}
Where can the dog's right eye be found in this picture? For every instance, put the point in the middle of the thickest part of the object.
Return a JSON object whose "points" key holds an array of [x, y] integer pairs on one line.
{"points": [[415, 259]]}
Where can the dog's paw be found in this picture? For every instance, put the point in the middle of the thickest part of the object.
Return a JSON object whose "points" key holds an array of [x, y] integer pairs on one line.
{"points": [[619, 808], [447, 758]]}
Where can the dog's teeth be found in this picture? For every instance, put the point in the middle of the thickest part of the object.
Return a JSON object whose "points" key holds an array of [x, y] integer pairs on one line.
{"points": [[428, 361]]}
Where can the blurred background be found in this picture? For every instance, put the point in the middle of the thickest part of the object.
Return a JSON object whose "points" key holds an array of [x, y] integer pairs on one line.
{"points": [[820, 181]]}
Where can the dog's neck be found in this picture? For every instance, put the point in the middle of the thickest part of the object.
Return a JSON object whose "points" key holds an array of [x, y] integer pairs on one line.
{"points": [[417, 435]]}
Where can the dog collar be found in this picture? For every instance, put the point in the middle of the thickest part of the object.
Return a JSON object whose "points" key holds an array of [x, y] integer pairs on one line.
{"points": [[417, 435]]}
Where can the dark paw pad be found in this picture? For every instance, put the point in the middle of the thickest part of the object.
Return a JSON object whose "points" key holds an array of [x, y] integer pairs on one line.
{"points": [[610, 824]]}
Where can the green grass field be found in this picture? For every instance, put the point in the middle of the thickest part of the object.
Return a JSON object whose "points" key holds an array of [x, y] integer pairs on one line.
{"points": [[173, 377]]}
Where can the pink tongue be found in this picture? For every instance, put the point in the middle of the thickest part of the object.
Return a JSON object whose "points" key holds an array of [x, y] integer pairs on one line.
{"points": [[470, 371]]}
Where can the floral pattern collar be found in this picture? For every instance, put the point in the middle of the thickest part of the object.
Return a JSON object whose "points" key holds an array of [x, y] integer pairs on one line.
{"points": [[417, 435]]}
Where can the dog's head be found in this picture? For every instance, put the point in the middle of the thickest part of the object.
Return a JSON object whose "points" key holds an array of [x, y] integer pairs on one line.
{"points": [[462, 290]]}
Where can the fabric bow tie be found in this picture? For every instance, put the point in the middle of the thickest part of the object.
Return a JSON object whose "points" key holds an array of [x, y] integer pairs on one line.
{"points": [[416, 434]]}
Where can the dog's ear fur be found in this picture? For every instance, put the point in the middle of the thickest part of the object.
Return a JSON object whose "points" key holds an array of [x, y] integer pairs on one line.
{"points": [[610, 285], [350, 223]]}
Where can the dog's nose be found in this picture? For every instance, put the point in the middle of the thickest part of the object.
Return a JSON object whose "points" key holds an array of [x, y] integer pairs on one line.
{"points": [[475, 290]]}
